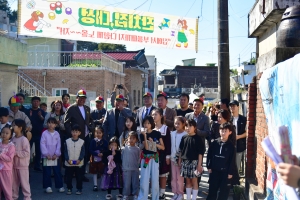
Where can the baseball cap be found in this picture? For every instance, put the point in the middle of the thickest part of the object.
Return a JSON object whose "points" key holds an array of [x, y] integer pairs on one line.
{"points": [[147, 94], [81, 93], [120, 97], [14, 101], [199, 99], [162, 94], [234, 102], [99, 99]]}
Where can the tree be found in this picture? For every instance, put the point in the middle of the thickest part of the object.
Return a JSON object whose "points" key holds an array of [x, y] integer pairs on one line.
{"points": [[12, 15], [111, 47], [86, 46]]}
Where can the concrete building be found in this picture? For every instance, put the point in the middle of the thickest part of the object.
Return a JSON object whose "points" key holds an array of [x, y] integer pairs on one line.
{"points": [[181, 79], [264, 21]]}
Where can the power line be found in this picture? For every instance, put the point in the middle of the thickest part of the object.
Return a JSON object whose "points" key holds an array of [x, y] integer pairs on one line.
{"points": [[190, 8], [141, 5], [150, 5]]}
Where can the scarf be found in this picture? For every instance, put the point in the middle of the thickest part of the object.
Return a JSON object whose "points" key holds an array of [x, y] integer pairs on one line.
{"points": [[148, 157], [66, 105]]}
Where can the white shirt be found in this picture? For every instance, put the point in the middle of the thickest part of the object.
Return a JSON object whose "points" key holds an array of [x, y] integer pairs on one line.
{"points": [[81, 108], [164, 113], [175, 142], [146, 111], [235, 119]]}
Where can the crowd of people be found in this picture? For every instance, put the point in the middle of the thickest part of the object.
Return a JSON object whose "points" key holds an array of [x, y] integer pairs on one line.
{"points": [[133, 152]]}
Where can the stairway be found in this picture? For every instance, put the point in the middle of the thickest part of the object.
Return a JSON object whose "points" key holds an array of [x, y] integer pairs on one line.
{"points": [[28, 86]]}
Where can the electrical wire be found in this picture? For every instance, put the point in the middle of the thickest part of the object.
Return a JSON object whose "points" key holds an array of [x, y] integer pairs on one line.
{"points": [[150, 5], [190, 8]]}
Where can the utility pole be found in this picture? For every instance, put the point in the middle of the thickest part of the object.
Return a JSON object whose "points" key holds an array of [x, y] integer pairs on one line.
{"points": [[239, 60], [223, 50]]}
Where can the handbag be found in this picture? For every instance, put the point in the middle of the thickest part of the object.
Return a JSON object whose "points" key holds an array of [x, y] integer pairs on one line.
{"points": [[151, 146]]}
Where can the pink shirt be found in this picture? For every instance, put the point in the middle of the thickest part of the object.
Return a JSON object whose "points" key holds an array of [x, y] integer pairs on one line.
{"points": [[50, 144], [22, 153], [6, 156]]}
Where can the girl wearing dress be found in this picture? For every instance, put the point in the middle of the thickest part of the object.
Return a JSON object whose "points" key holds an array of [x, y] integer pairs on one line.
{"points": [[164, 155], [190, 159], [112, 178]]}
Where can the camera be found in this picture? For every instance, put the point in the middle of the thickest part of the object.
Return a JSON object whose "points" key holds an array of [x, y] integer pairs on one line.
{"points": [[120, 86]]}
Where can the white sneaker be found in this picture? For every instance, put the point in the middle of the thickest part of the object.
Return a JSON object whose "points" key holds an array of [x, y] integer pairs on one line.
{"points": [[49, 190], [180, 197], [135, 197], [61, 189], [174, 197], [125, 198]]}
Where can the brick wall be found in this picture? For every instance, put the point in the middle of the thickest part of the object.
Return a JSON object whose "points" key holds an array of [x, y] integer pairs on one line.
{"points": [[261, 131], [256, 166], [251, 121], [74, 79]]}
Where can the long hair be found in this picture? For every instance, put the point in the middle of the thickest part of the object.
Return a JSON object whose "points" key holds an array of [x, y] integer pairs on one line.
{"points": [[192, 122], [161, 113], [225, 114], [61, 112], [230, 127], [134, 126], [114, 140], [20, 123]]}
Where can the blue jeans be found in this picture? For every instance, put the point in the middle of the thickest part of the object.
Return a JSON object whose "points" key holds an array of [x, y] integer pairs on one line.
{"points": [[150, 171], [37, 157], [47, 182]]}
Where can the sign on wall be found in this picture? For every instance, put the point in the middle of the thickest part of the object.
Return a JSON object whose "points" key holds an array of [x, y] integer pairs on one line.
{"points": [[96, 23]]}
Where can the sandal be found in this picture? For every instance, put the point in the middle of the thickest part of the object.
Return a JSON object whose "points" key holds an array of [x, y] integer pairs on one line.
{"points": [[108, 196]]}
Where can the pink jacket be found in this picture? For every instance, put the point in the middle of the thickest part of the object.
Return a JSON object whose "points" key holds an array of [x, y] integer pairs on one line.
{"points": [[6, 156], [50, 144], [22, 153]]}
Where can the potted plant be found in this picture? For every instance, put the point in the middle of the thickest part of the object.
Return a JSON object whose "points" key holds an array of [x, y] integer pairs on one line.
{"points": [[237, 192]]}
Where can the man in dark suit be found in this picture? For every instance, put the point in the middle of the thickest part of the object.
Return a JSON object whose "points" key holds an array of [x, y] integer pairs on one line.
{"points": [[201, 119], [169, 114], [114, 120], [145, 110], [240, 122], [99, 113], [80, 114]]}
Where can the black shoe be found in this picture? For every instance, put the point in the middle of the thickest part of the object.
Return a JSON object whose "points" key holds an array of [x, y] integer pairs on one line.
{"points": [[79, 192], [37, 169], [95, 188], [69, 191], [85, 179], [162, 197]]}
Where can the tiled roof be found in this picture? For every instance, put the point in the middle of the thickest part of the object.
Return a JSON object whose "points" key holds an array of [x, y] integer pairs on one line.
{"points": [[120, 56]]}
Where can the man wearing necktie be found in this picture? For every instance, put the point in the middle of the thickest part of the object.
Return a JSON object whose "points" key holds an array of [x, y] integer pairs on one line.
{"points": [[145, 110]]}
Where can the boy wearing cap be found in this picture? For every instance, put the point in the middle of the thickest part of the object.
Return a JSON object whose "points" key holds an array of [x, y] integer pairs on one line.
{"points": [[240, 122], [114, 121], [37, 117], [145, 110], [15, 113], [99, 113], [169, 114]]}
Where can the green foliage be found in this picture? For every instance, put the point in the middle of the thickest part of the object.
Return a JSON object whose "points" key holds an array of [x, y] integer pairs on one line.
{"points": [[86, 46], [86, 63], [111, 47], [13, 15], [234, 72], [238, 189]]}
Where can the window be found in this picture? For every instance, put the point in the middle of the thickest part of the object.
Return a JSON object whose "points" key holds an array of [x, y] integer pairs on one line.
{"points": [[139, 98], [134, 97], [59, 91]]}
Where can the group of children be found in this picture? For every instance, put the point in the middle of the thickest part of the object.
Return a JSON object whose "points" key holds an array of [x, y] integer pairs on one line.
{"points": [[150, 154]]}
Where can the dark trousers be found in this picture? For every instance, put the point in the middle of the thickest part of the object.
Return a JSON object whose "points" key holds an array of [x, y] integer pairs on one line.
{"points": [[69, 176], [47, 182], [37, 157], [218, 181], [87, 155]]}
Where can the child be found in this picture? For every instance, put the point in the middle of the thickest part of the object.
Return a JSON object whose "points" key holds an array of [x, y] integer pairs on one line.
{"points": [[190, 158], [130, 125], [50, 150], [176, 136], [97, 146], [4, 119], [164, 155], [112, 178], [7, 152], [21, 161], [130, 166], [74, 154], [43, 106], [149, 164], [220, 163]]}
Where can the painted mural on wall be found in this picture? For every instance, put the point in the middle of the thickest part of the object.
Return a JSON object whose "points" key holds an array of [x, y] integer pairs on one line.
{"points": [[280, 92]]}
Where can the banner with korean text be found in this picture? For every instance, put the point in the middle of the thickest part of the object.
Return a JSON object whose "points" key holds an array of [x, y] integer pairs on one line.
{"points": [[103, 24]]}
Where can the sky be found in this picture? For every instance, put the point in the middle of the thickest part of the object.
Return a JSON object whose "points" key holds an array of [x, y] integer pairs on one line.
{"points": [[240, 45]]}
